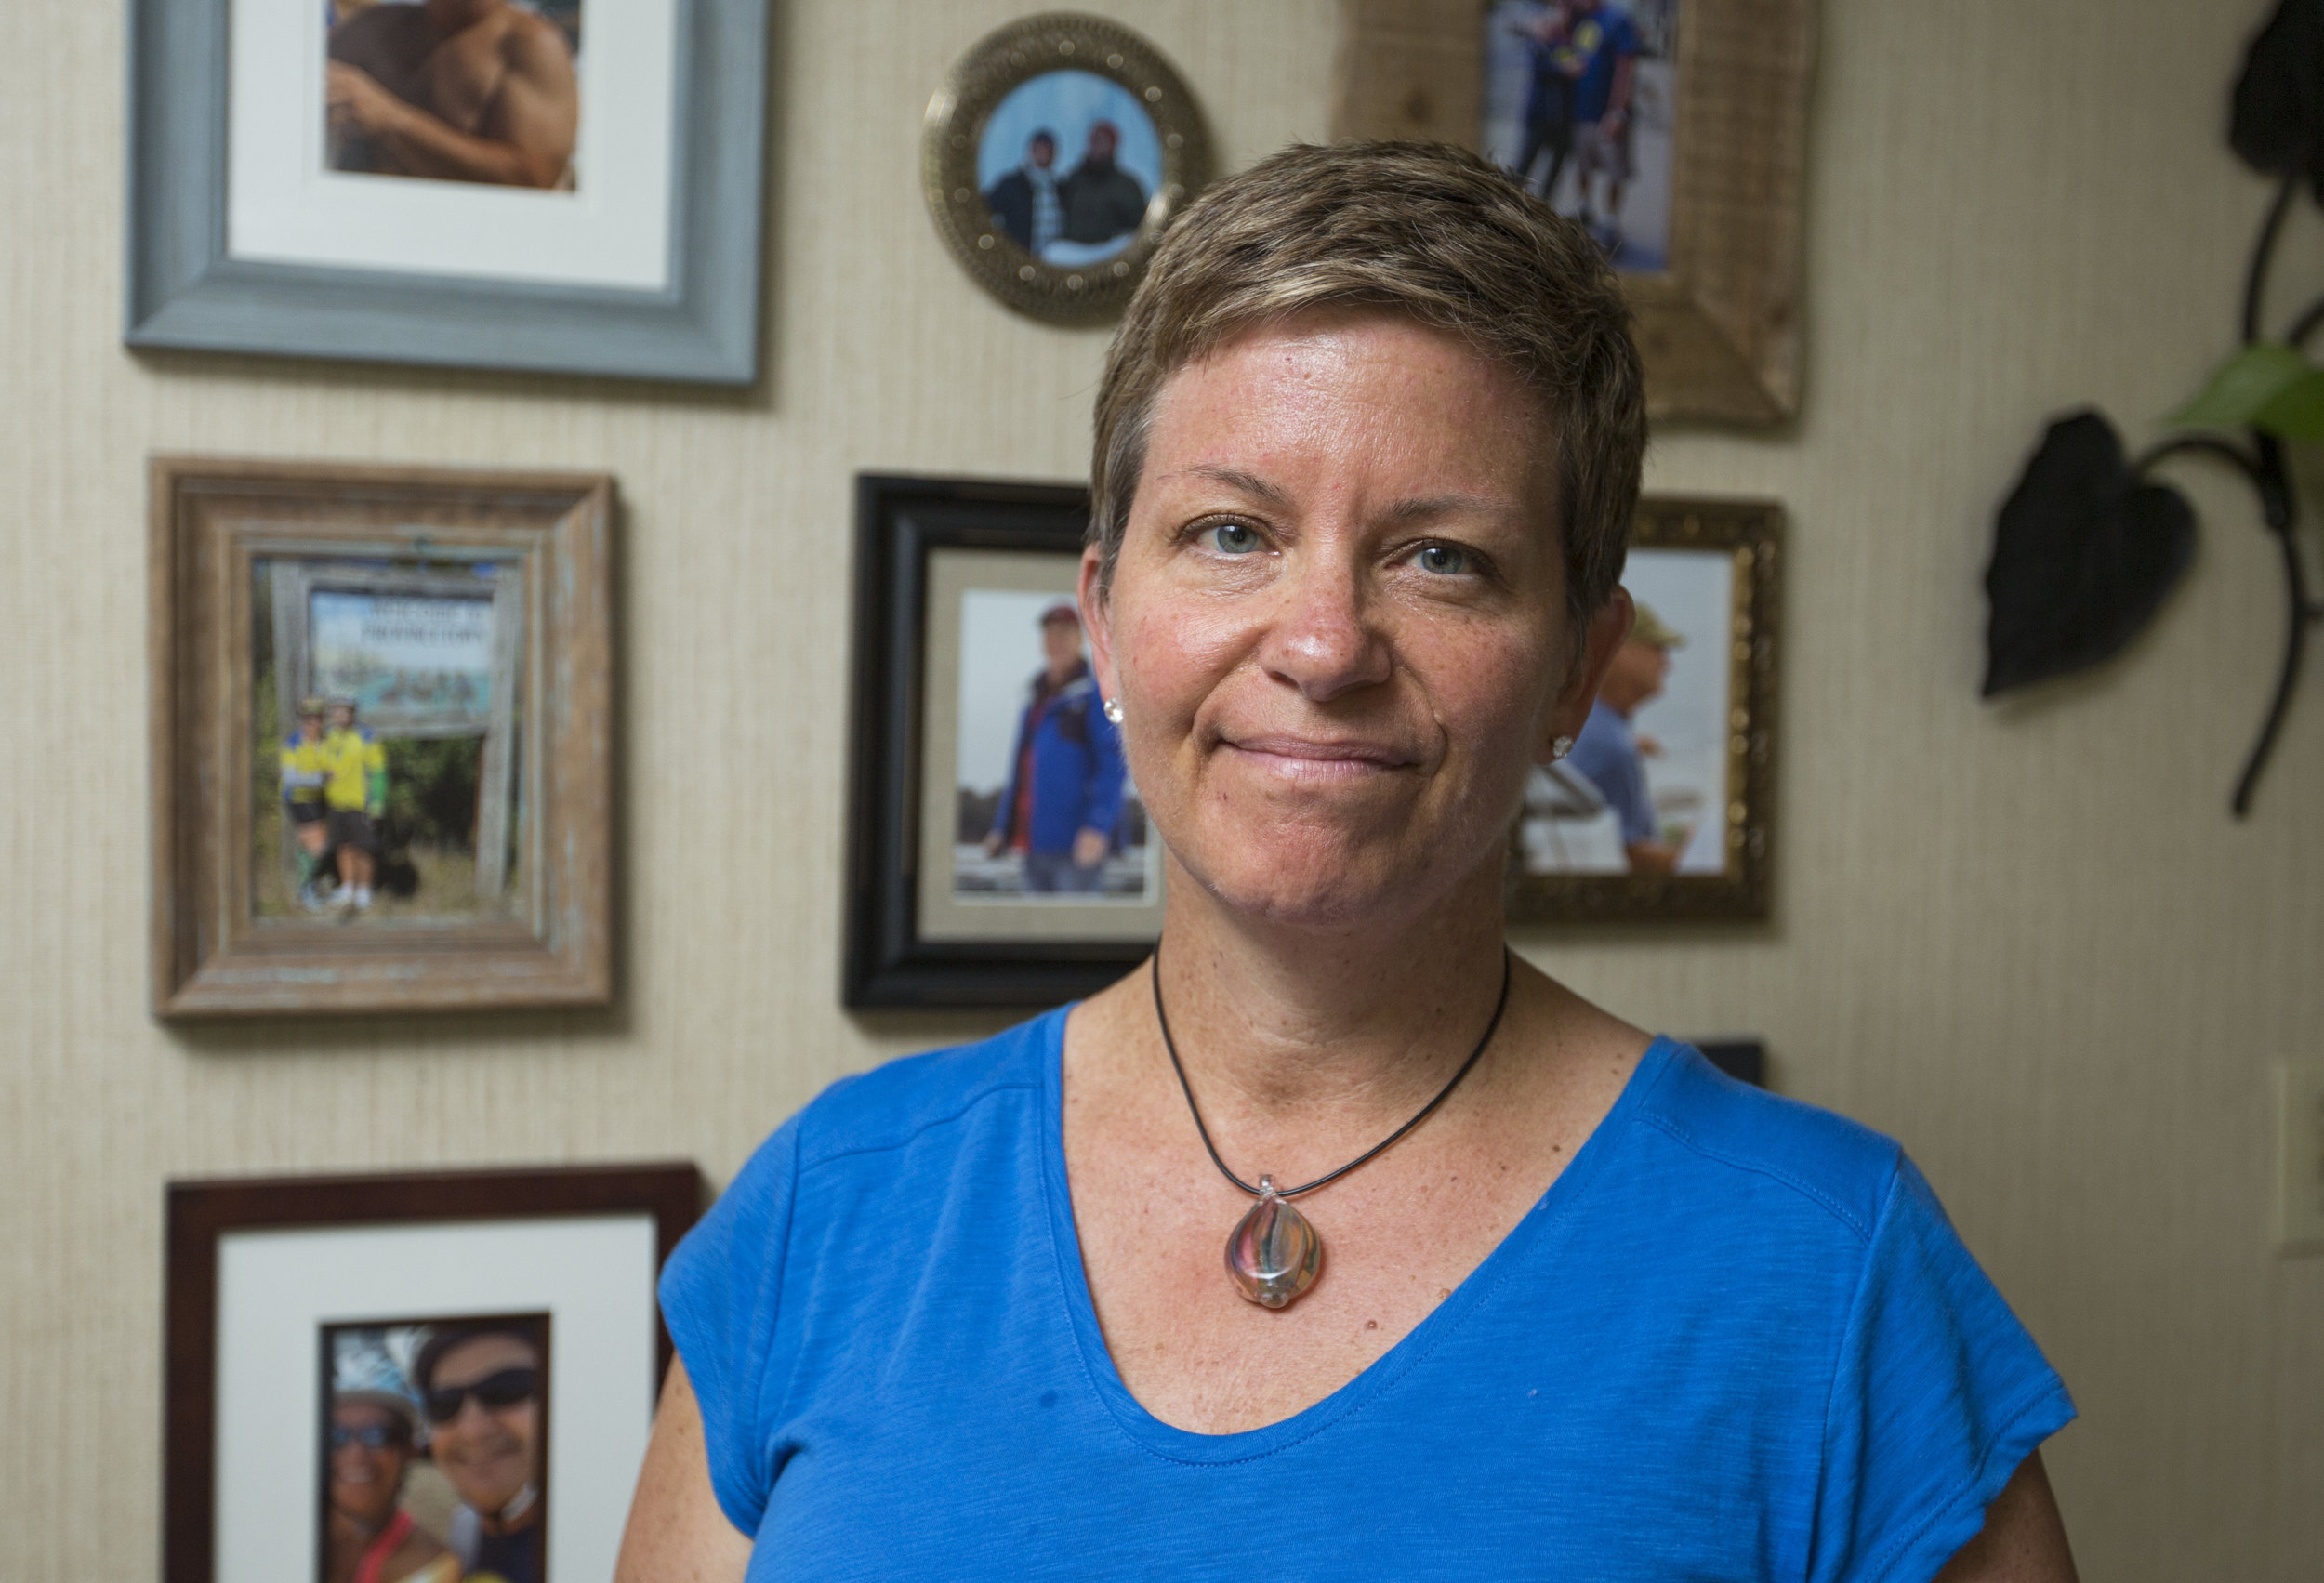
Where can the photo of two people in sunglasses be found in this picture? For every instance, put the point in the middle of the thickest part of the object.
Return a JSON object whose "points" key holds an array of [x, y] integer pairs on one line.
{"points": [[433, 1451]]}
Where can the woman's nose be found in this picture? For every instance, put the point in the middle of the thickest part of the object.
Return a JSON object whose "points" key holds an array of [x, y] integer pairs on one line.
{"points": [[1324, 642]]}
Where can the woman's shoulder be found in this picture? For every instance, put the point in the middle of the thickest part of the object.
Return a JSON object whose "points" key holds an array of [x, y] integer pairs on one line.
{"points": [[1844, 1170], [898, 1101]]}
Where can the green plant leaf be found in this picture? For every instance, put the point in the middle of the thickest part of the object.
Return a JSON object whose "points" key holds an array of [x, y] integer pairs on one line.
{"points": [[2297, 410], [2242, 389]]}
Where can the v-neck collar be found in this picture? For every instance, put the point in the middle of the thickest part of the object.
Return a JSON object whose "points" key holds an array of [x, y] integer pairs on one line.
{"points": [[1383, 1372]]}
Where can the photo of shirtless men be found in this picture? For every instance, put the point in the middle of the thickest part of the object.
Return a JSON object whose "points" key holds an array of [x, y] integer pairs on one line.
{"points": [[454, 90]]}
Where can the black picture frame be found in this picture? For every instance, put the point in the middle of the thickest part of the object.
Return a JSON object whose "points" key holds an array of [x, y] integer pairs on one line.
{"points": [[887, 961]]}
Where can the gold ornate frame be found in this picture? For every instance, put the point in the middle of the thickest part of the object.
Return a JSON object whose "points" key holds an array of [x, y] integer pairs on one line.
{"points": [[1752, 531], [1719, 329], [210, 956], [988, 74]]}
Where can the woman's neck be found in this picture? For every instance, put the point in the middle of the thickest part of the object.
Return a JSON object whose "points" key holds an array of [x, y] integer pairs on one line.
{"points": [[1361, 1017], [351, 1538]]}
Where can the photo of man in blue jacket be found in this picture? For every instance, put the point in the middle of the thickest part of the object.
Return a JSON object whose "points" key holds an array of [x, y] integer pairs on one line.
{"points": [[1066, 779]]}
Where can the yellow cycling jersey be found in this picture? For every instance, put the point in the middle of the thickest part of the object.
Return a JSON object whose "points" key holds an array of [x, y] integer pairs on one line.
{"points": [[302, 770], [349, 758]]}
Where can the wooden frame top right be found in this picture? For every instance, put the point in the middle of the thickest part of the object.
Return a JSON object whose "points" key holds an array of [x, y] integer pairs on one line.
{"points": [[1719, 322]]}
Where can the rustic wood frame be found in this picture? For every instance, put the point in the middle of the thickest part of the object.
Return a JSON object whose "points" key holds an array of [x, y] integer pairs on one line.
{"points": [[210, 959], [1719, 329], [199, 1213], [1752, 533]]}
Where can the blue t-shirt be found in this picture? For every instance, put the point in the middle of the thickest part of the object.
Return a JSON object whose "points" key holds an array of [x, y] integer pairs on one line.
{"points": [[1606, 751], [1737, 1339], [1594, 46]]}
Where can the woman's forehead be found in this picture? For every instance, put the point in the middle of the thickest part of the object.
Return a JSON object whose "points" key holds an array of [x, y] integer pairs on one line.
{"points": [[1288, 405]]}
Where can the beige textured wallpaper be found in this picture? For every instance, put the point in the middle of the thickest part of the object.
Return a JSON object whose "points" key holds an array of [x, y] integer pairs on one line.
{"points": [[2028, 941]]}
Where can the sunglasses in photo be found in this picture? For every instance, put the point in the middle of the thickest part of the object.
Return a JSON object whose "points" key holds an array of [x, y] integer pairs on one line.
{"points": [[371, 1437], [505, 1389]]}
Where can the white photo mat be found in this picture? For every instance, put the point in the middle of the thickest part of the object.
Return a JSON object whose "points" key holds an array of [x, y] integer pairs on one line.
{"points": [[614, 229], [594, 1275]]}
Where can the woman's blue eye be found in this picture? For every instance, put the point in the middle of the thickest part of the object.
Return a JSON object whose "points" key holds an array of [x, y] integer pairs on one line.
{"points": [[1233, 538], [1444, 559]]}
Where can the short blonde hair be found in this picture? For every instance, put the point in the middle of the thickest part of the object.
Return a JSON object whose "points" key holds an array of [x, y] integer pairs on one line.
{"points": [[1425, 230]]}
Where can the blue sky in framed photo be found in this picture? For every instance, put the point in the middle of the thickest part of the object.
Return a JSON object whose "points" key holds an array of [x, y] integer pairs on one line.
{"points": [[1067, 102], [1692, 592]]}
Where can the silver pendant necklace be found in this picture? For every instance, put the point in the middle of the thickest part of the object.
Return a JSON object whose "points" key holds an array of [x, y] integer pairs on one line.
{"points": [[1275, 1253]]}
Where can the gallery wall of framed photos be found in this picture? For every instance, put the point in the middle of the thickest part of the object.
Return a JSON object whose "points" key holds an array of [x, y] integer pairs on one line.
{"points": [[1946, 288]]}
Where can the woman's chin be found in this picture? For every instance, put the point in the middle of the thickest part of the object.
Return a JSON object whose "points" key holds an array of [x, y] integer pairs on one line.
{"points": [[1313, 883]]}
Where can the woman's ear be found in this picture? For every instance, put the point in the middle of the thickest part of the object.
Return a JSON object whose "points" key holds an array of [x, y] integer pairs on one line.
{"points": [[1096, 618], [1608, 629]]}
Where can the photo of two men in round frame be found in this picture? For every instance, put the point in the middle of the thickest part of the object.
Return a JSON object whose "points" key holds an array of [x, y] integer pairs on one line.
{"points": [[1055, 156]]}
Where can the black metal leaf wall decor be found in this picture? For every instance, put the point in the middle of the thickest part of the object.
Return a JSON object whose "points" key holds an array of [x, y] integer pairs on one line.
{"points": [[2278, 124], [2084, 555], [2087, 548]]}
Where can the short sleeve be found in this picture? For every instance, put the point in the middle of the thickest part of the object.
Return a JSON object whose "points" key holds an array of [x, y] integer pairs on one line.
{"points": [[721, 1292], [1938, 1395]]}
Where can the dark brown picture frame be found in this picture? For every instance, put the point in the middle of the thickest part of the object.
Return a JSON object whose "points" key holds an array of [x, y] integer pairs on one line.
{"points": [[1720, 328], [199, 1213], [209, 518], [1751, 533]]}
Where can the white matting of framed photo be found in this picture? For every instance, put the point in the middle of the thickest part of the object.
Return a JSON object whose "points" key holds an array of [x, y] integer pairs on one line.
{"points": [[463, 1363], [604, 220], [567, 185]]}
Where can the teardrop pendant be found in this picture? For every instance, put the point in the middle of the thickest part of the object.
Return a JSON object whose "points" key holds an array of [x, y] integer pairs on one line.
{"points": [[1274, 1254]]}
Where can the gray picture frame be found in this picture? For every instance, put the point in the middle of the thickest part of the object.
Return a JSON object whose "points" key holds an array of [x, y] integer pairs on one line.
{"points": [[183, 293]]}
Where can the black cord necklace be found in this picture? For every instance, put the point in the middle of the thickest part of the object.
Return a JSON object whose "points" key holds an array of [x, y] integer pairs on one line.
{"points": [[1275, 1253]]}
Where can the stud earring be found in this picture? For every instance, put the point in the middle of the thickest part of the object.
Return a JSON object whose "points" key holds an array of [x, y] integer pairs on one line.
{"points": [[1114, 710], [1561, 746]]}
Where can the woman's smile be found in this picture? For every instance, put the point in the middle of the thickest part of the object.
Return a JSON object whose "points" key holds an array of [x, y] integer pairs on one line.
{"points": [[1319, 761]]}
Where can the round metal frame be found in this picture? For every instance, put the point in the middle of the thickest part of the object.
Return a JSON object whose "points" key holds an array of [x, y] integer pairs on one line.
{"points": [[1081, 294]]}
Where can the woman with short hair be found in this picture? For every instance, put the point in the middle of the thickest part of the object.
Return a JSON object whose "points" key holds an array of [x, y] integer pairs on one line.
{"points": [[1335, 1241]]}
